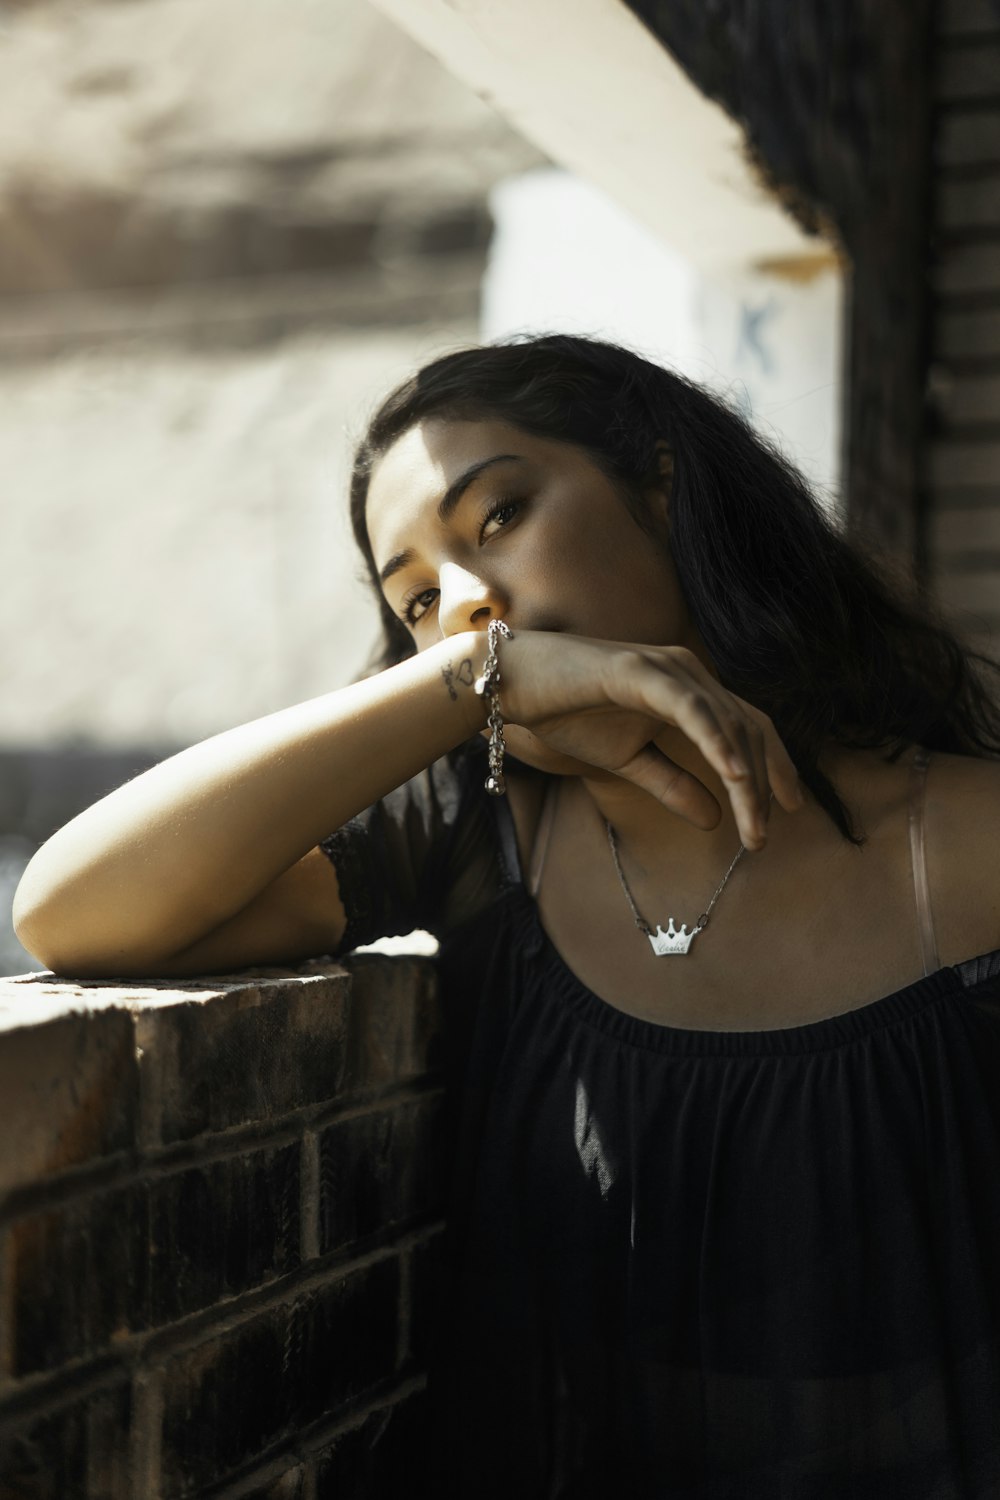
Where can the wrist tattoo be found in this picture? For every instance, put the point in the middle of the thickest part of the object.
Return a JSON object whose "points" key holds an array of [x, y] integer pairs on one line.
{"points": [[464, 674]]}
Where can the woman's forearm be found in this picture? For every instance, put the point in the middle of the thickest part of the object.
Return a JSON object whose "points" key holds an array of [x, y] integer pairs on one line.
{"points": [[164, 859]]}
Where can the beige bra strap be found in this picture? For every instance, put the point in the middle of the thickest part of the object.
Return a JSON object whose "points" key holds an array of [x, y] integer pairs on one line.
{"points": [[542, 836], [918, 859]]}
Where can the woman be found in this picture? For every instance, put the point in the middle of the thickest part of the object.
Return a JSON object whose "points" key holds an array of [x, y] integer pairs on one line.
{"points": [[725, 1208]]}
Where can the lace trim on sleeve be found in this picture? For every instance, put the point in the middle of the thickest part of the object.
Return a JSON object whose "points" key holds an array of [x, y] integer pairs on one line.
{"points": [[345, 847], [424, 856]]}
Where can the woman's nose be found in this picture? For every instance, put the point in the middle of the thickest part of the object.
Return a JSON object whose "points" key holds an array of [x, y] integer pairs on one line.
{"points": [[467, 601]]}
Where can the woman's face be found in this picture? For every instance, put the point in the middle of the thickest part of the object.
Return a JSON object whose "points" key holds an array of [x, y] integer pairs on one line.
{"points": [[475, 520], [533, 532]]}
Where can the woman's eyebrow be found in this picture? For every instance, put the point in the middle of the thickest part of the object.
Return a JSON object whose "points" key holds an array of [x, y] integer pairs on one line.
{"points": [[446, 505]]}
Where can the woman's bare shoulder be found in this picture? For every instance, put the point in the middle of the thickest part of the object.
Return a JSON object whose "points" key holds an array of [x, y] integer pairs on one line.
{"points": [[963, 853], [965, 790]]}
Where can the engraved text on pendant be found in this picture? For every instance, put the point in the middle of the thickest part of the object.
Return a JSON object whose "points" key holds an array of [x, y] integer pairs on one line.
{"points": [[672, 941]]}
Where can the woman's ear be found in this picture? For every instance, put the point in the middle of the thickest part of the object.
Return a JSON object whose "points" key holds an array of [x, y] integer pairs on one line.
{"points": [[665, 470]]}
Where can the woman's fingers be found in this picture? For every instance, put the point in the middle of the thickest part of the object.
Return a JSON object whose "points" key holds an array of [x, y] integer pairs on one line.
{"points": [[737, 739], [670, 784], [773, 765], [679, 700], [752, 739], [782, 777], [610, 704]]}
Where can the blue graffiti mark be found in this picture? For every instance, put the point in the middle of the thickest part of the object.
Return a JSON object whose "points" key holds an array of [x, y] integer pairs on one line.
{"points": [[752, 321]]}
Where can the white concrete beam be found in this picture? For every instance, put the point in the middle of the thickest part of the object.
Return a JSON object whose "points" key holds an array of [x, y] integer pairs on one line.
{"points": [[593, 88]]}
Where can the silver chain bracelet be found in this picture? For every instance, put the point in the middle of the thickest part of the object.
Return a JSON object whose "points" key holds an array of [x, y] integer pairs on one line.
{"points": [[488, 685]]}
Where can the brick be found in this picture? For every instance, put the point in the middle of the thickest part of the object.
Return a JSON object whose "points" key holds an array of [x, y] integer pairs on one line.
{"points": [[220, 1229], [259, 1050], [381, 1168], [966, 17], [147, 1408], [382, 1457], [68, 1091], [945, 499], [967, 335], [396, 1030], [962, 399], [964, 463], [286, 1039], [239, 1395], [77, 1278], [309, 1216], [968, 70], [964, 592], [108, 1457], [968, 138], [964, 531], [963, 269], [963, 203], [79, 1452]]}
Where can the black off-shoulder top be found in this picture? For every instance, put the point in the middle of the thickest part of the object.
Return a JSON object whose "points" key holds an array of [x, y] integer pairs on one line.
{"points": [[745, 1265]]}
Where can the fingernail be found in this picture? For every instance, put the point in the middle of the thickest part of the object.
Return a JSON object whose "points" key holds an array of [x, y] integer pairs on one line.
{"points": [[737, 766]]}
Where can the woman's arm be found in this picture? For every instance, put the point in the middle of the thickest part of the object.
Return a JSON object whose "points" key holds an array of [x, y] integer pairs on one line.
{"points": [[167, 858]]}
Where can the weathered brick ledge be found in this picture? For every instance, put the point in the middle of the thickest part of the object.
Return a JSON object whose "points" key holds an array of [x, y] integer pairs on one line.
{"points": [[220, 1220]]}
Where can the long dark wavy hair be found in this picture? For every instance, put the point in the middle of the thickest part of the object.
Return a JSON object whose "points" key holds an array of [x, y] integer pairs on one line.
{"points": [[823, 633]]}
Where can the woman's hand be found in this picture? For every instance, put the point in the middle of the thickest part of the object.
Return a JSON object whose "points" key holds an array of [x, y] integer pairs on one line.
{"points": [[612, 705]]}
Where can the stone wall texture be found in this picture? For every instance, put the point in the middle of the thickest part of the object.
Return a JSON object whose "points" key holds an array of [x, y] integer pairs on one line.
{"points": [[221, 1205]]}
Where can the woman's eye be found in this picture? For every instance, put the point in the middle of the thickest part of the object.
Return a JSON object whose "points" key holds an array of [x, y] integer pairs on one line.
{"points": [[409, 608], [502, 510]]}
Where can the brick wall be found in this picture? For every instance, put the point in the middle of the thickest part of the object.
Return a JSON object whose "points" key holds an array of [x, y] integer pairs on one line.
{"points": [[963, 459], [220, 1213]]}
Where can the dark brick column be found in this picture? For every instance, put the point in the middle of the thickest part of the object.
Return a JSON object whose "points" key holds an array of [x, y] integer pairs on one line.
{"points": [[962, 461]]}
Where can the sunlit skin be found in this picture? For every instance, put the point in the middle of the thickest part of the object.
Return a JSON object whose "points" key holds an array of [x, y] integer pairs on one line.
{"points": [[565, 554], [605, 666]]}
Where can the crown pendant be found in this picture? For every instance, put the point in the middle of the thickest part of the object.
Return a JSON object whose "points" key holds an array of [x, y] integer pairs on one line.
{"points": [[672, 941]]}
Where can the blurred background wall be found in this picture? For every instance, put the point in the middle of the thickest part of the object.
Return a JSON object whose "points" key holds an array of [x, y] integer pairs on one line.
{"points": [[227, 227]]}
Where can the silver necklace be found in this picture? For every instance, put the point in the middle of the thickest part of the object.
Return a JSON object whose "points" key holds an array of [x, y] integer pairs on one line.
{"points": [[671, 941]]}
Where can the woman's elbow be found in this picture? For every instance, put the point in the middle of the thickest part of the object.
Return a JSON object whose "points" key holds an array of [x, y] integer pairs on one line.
{"points": [[45, 927], [38, 933], [34, 933]]}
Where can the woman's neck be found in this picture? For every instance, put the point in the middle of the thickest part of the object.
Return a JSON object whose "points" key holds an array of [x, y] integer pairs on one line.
{"points": [[660, 843]]}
